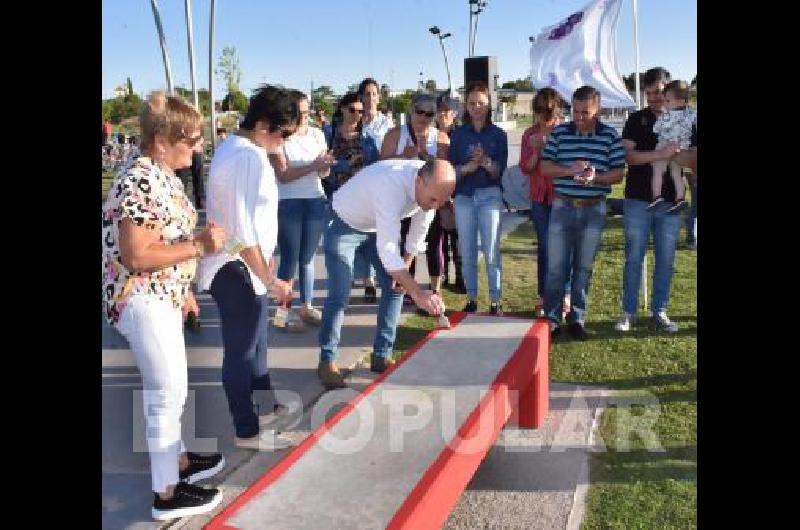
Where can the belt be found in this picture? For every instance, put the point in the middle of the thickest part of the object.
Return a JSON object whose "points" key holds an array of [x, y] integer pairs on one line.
{"points": [[579, 203]]}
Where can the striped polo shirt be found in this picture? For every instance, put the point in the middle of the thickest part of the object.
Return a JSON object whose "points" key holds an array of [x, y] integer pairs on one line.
{"points": [[601, 149]]}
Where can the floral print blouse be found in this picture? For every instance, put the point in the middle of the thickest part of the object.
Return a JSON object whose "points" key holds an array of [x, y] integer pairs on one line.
{"points": [[152, 198]]}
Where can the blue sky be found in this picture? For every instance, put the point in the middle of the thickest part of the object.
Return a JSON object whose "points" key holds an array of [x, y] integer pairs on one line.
{"points": [[339, 43]]}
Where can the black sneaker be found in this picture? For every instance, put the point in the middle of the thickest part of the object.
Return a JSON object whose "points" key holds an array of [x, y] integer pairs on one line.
{"points": [[187, 500], [471, 306], [577, 331], [656, 202], [380, 364], [496, 309], [460, 287], [370, 294], [201, 467], [555, 331], [679, 206]]}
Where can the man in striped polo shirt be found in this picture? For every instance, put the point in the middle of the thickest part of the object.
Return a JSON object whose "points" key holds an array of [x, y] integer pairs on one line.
{"points": [[584, 157]]}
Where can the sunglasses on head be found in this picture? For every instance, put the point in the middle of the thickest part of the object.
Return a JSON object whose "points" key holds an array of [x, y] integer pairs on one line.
{"points": [[426, 113], [354, 110]]}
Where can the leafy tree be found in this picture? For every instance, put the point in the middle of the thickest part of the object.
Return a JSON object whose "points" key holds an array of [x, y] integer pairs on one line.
{"points": [[323, 98], [694, 80], [630, 81], [130, 86], [228, 69], [235, 100], [117, 109], [400, 104], [202, 98], [522, 85]]}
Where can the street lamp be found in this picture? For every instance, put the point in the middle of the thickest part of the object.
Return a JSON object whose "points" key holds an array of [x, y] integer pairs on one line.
{"points": [[476, 7], [436, 32]]}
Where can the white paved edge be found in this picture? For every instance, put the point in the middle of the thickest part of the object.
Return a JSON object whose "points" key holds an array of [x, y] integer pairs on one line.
{"points": [[578, 509]]}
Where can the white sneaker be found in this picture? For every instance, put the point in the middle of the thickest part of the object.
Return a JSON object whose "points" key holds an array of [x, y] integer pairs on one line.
{"points": [[624, 323], [266, 440], [310, 315], [662, 322]]}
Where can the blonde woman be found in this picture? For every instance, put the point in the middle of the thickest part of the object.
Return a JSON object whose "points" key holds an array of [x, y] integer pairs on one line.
{"points": [[150, 257]]}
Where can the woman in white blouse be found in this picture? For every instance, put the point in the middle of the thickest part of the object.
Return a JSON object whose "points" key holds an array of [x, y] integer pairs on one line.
{"points": [[300, 164]]}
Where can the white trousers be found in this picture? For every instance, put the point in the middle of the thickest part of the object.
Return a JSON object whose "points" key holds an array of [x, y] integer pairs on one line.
{"points": [[154, 329]]}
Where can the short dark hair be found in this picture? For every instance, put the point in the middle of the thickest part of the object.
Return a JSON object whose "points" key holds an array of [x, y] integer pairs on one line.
{"points": [[362, 87], [678, 88], [586, 93], [271, 103], [477, 86], [656, 75]]}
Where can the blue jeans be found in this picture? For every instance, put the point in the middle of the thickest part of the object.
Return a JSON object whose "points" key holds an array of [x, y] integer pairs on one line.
{"points": [[540, 215], [299, 231], [341, 244], [576, 231], [244, 318], [666, 229], [480, 213], [691, 219]]}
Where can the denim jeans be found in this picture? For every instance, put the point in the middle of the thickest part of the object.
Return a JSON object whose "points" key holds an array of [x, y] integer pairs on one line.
{"points": [[480, 213], [244, 318], [691, 219], [577, 231], [299, 231], [540, 215], [341, 245], [666, 229]]}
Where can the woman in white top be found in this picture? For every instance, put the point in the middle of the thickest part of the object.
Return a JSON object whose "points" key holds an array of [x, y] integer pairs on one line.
{"points": [[243, 198], [373, 124], [300, 165], [419, 138]]}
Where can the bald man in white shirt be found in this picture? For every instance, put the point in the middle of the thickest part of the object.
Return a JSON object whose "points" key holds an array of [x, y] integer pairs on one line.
{"points": [[366, 213]]}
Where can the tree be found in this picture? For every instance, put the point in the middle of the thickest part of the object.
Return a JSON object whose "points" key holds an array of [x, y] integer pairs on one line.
{"points": [[694, 80], [522, 85], [117, 109], [228, 69], [202, 98], [430, 86], [130, 87], [400, 104], [323, 98], [235, 100]]}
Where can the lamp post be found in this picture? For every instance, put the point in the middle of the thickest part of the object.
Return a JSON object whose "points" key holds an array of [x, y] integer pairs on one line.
{"points": [[436, 32], [476, 7]]}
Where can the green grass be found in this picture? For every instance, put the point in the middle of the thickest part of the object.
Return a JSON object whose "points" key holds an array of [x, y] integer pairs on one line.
{"points": [[631, 487]]}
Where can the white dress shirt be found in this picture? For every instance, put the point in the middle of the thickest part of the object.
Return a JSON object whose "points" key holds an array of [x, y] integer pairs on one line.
{"points": [[375, 200], [242, 197]]}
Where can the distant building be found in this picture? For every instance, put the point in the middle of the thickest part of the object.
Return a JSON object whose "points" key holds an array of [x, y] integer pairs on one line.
{"points": [[120, 91]]}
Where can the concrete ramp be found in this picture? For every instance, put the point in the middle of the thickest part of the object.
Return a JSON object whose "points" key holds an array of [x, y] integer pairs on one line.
{"points": [[399, 454]]}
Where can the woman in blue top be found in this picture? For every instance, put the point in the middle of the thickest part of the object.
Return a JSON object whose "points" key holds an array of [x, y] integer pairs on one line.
{"points": [[479, 153]]}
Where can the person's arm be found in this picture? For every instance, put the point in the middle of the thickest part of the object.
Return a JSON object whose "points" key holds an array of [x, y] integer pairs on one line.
{"points": [[286, 174], [637, 157], [442, 146], [530, 146], [389, 147], [141, 249]]}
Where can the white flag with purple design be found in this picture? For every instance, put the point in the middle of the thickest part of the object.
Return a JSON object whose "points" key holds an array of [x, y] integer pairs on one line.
{"points": [[579, 51]]}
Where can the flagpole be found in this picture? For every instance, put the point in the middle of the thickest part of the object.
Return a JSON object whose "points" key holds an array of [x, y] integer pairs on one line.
{"points": [[212, 108], [639, 107], [190, 38], [163, 42]]}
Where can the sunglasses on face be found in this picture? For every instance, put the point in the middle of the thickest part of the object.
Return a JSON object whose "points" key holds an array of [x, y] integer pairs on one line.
{"points": [[286, 133], [354, 110], [193, 140], [426, 113]]}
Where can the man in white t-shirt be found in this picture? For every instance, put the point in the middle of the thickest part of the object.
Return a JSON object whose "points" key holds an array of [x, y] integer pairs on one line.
{"points": [[366, 214]]}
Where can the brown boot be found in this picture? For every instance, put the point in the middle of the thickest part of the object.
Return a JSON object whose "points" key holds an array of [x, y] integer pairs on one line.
{"points": [[329, 375]]}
